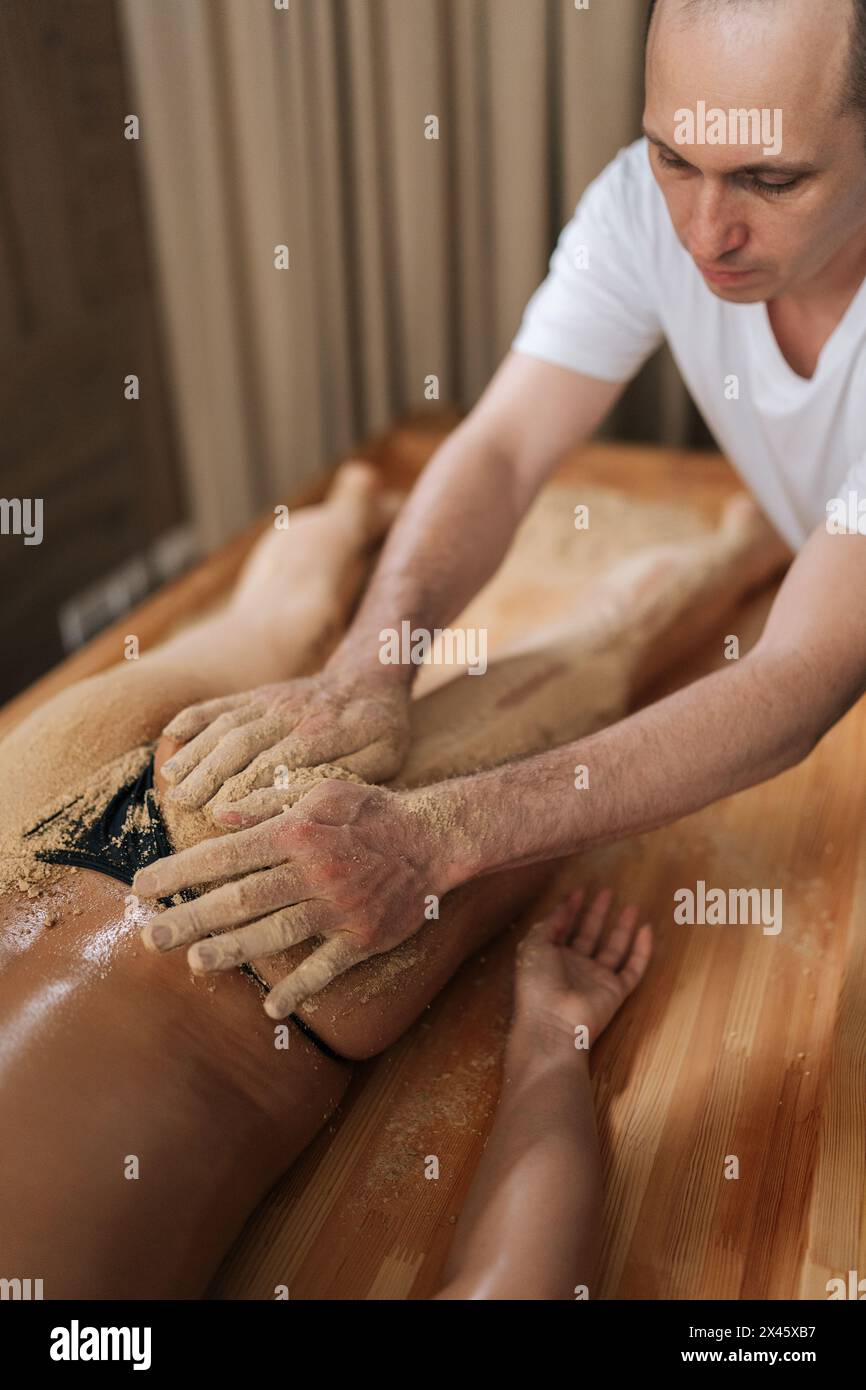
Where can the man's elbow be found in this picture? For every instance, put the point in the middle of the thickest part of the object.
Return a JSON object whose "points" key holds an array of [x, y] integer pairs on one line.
{"points": [[810, 705]]}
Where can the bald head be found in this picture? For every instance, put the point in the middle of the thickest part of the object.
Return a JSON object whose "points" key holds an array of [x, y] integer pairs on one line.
{"points": [[755, 116], [851, 93]]}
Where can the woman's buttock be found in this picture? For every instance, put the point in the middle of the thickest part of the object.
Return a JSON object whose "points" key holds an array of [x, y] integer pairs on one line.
{"points": [[364, 1010], [124, 822], [361, 1011], [105, 831]]}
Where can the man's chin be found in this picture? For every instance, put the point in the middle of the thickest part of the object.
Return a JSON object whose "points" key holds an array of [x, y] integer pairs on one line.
{"points": [[751, 293]]}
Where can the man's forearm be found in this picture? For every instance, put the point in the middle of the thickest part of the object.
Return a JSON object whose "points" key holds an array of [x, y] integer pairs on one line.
{"points": [[450, 538], [728, 731]]}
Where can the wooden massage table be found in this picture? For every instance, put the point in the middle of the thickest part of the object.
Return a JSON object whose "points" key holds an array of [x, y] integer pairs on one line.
{"points": [[728, 1048]]}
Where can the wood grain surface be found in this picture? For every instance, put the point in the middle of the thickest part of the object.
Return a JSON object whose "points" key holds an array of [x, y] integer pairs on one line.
{"points": [[738, 1044]]}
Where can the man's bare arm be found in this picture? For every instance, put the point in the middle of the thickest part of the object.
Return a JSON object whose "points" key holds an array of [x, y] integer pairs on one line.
{"points": [[462, 515], [450, 538], [728, 731]]}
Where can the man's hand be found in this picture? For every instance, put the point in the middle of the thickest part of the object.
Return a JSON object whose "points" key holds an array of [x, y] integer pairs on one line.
{"points": [[241, 743], [351, 864]]}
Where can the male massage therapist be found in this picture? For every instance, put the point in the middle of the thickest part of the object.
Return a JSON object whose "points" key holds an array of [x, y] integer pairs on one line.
{"points": [[751, 265]]}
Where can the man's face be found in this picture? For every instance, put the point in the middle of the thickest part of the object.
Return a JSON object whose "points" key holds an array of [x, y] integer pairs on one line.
{"points": [[757, 226]]}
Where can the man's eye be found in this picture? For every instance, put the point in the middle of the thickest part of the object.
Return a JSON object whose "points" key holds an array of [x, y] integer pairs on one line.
{"points": [[774, 189]]}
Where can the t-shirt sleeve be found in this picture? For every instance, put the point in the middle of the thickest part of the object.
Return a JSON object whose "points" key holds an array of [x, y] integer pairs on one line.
{"points": [[596, 312], [855, 480]]}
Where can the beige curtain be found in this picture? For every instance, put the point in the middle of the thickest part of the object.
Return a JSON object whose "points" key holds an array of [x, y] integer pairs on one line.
{"points": [[409, 257]]}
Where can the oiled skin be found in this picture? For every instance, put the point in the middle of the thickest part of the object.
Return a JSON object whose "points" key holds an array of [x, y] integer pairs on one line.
{"points": [[108, 1053]]}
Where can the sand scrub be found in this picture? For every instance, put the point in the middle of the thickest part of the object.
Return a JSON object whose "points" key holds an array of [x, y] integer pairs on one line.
{"points": [[113, 1056], [349, 853]]}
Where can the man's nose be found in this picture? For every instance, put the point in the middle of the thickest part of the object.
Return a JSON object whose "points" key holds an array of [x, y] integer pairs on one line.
{"points": [[713, 229]]}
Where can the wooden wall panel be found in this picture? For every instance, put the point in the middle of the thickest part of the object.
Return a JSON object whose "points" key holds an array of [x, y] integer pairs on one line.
{"points": [[77, 314]]}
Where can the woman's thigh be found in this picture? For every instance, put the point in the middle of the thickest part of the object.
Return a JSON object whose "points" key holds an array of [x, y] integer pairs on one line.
{"points": [[372, 1005]]}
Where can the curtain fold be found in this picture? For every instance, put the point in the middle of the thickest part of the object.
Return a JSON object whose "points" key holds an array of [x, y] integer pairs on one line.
{"points": [[410, 258]]}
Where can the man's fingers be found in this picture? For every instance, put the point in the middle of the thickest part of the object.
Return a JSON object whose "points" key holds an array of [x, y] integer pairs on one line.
{"points": [[233, 749], [263, 938], [223, 857], [255, 749], [312, 975], [258, 806], [194, 718], [259, 774], [310, 749], [182, 763], [230, 905], [377, 762], [634, 969], [262, 770]]}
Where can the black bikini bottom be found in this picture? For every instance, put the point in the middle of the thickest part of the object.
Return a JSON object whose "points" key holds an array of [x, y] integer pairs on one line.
{"points": [[126, 835]]}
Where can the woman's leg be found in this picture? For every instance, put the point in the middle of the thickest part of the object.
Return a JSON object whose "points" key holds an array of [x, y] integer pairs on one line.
{"points": [[108, 1064], [285, 612], [565, 683], [288, 606], [192, 1108], [583, 672]]}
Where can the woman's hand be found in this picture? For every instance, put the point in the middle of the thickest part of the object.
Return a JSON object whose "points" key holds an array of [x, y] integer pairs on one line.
{"points": [[349, 863], [568, 977], [251, 742]]}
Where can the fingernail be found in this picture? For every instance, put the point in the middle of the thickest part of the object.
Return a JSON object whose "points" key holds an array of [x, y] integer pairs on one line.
{"points": [[202, 958], [274, 1011], [161, 935]]}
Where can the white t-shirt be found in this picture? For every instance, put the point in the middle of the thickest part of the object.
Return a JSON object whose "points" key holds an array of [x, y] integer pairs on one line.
{"points": [[620, 283]]}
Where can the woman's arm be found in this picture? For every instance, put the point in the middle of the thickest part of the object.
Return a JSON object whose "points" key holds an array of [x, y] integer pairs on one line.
{"points": [[529, 1229], [530, 1225]]}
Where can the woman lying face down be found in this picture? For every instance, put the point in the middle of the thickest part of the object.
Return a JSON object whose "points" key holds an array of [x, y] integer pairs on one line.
{"points": [[150, 1109]]}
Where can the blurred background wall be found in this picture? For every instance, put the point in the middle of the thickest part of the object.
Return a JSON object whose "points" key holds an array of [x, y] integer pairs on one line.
{"points": [[262, 124], [79, 310]]}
